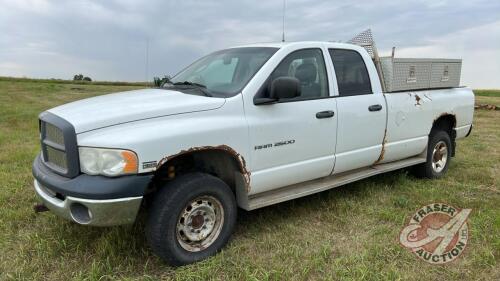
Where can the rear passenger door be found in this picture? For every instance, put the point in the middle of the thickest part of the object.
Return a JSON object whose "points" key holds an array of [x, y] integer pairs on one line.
{"points": [[361, 113]]}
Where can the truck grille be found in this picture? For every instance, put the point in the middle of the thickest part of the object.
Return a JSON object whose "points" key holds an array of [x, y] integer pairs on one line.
{"points": [[56, 157], [54, 134], [59, 148]]}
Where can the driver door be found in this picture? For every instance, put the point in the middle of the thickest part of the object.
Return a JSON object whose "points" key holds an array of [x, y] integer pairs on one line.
{"points": [[294, 140]]}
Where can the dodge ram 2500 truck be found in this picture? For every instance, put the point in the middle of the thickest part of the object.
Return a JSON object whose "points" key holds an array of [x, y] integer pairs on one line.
{"points": [[244, 127]]}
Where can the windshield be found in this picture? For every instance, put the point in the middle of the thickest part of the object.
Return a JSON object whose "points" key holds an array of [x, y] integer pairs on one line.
{"points": [[223, 73]]}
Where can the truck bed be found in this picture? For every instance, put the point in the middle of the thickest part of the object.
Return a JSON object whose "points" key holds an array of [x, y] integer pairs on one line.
{"points": [[411, 115]]}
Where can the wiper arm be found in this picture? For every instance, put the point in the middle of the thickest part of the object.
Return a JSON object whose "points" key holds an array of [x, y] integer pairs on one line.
{"points": [[166, 80], [201, 87], [189, 83]]}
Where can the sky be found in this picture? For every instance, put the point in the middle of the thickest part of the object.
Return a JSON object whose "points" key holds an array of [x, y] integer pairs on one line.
{"points": [[132, 40]]}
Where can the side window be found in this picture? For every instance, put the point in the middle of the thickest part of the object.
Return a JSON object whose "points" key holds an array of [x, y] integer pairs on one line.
{"points": [[351, 73], [308, 66]]}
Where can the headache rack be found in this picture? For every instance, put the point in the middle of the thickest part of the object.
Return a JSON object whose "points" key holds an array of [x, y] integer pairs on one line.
{"points": [[407, 74]]}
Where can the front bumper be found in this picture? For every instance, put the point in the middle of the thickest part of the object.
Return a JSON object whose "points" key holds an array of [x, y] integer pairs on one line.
{"points": [[90, 200], [90, 211]]}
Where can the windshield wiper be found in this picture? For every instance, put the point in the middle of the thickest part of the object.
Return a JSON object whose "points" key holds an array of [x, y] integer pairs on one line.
{"points": [[201, 87], [189, 83]]}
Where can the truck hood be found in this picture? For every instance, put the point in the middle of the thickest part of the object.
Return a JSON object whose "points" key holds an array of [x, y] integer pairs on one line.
{"points": [[107, 110]]}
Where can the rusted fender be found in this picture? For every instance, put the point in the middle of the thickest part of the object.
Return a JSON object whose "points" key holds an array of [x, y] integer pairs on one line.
{"points": [[241, 161]]}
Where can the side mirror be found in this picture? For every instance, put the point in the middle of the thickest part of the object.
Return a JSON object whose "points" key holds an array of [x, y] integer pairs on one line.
{"points": [[281, 88], [285, 88]]}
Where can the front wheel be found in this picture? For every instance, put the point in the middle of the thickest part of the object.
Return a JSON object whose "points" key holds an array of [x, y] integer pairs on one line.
{"points": [[438, 156], [192, 218]]}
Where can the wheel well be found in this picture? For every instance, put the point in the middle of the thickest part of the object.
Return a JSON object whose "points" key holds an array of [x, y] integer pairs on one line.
{"points": [[447, 122], [221, 162]]}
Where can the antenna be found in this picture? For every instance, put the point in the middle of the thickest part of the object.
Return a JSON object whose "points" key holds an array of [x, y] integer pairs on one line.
{"points": [[284, 8], [147, 59]]}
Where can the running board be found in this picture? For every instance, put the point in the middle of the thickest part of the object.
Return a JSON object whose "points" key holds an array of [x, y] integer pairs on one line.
{"points": [[314, 186]]}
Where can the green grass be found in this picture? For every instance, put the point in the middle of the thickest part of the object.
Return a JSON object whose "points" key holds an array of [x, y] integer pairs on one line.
{"points": [[62, 81], [487, 93], [349, 233]]}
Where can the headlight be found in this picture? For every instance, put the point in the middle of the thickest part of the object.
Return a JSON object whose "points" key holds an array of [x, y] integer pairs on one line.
{"points": [[107, 162]]}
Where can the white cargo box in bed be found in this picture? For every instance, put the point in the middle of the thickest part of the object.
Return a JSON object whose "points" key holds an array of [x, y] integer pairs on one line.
{"points": [[405, 74]]}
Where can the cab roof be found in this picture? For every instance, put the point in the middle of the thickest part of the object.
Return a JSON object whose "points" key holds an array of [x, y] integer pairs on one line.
{"points": [[298, 43]]}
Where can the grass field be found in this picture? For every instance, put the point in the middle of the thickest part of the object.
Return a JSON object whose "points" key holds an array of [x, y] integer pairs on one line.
{"points": [[62, 81], [349, 233], [487, 93]]}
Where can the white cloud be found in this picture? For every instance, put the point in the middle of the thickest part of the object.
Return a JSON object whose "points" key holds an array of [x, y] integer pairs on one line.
{"points": [[106, 39], [478, 47]]}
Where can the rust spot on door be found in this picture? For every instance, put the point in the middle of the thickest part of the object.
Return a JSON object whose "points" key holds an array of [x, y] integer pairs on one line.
{"points": [[417, 99]]}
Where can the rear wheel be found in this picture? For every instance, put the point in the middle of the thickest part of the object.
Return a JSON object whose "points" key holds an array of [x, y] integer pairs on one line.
{"points": [[438, 156], [191, 218]]}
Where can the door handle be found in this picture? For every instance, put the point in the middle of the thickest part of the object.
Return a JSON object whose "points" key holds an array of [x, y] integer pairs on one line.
{"points": [[325, 114], [375, 107]]}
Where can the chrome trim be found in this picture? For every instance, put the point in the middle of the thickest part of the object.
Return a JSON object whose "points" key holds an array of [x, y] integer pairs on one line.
{"points": [[104, 212]]}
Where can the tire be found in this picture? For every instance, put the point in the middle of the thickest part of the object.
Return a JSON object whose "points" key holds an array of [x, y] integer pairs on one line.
{"points": [[434, 168], [191, 218]]}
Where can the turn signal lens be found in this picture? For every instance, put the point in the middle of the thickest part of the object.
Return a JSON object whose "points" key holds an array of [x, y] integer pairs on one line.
{"points": [[130, 162]]}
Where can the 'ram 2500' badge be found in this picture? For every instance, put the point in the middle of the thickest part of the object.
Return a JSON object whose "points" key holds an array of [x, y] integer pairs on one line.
{"points": [[437, 233], [276, 144]]}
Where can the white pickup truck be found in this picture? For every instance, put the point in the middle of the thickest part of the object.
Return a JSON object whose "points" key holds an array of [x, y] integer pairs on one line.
{"points": [[244, 127]]}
